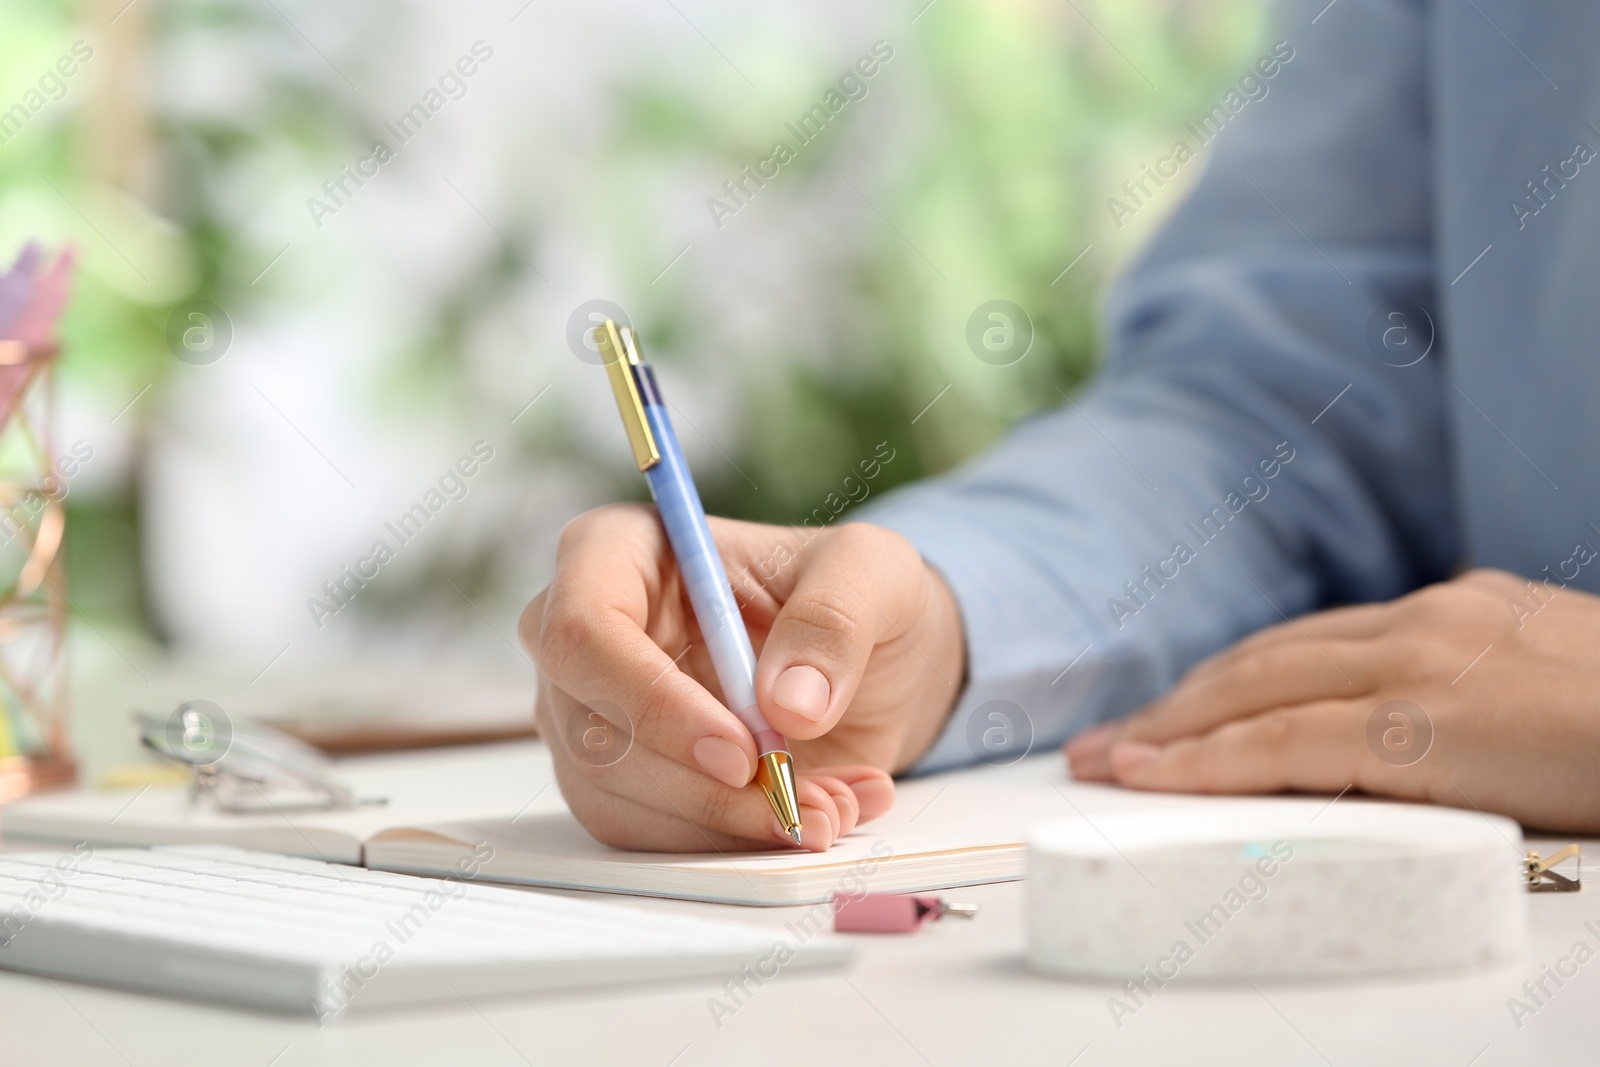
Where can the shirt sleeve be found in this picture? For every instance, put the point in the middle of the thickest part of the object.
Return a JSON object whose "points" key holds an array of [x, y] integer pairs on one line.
{"points": [[1257, 445]]}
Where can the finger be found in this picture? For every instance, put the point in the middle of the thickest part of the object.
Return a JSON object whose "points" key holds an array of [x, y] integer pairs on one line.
{"points": [[813, 796], [657, 782], [1313, 748], [1089, 754], [1345, 623], [1276, 676], [1275, 667], [853, 587], [873, 788], [1268, 676], [844, 802], [669, 713], [586, 633], [628, 824]]}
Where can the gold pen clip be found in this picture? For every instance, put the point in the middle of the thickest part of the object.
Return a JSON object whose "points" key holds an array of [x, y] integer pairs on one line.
{"points": [[620, 350], [1541, 879]]}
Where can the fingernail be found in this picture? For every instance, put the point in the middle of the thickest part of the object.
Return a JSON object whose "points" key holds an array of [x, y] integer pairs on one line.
{"points": [[874, 796], [1129, 756], [849, 808], [1092, 737], [802, 690], [723, 760], [816, 829]]}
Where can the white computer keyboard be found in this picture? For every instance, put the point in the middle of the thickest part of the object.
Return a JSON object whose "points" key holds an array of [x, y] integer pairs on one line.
{"points": [[290, 934]]}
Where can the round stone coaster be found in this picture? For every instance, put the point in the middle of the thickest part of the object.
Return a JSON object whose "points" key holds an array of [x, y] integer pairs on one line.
{"points": [[1269, 889]]}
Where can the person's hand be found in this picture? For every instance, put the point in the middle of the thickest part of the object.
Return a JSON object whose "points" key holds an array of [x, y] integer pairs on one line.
{"points": [[1506, 675], [860, 659]]}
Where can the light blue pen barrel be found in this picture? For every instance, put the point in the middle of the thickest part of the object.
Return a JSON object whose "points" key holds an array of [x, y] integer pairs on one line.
{"points": [[703, 575]]}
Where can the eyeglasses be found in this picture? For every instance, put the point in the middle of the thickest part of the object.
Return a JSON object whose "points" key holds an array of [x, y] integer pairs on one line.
{"points": [[245, 767]]}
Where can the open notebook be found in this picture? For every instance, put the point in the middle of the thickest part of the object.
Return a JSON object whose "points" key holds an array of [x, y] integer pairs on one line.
{"points": [[495, 808], [554, 851]]}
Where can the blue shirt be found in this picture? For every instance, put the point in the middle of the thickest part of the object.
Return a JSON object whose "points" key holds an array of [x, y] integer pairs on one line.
{"points": [[1361, 356]]}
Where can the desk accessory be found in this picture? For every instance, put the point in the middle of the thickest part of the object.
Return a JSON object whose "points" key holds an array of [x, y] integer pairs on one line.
{"points": [[296, 935], [892, 913], [35, 753], [1267, 889], [656, 452], [1542, 879], [244, 767], [443, 802]]}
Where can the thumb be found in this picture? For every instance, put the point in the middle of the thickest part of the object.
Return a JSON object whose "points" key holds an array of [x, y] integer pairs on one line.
{"points": [[854, 587]]}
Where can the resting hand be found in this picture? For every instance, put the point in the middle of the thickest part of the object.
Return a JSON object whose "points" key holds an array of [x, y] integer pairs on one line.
{"points": [[1506, 677]]}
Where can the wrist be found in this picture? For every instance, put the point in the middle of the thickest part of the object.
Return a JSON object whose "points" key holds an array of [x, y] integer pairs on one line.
{"points": [[940, 638]]}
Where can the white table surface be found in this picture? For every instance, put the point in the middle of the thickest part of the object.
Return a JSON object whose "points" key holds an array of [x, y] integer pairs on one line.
{"points": [[956, 993]]}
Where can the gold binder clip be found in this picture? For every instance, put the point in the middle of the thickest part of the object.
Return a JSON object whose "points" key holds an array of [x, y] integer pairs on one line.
{"points": [[1541, 879]]}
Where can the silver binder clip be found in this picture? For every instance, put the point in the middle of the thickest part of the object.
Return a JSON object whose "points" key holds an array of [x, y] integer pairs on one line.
{"points": [[245, 767]]}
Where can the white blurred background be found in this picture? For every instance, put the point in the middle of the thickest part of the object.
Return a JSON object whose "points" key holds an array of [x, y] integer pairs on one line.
{"points": [[372, 346]]}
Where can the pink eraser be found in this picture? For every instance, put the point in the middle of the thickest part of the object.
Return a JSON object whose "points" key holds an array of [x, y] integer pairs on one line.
{"points": [[882, 913]]}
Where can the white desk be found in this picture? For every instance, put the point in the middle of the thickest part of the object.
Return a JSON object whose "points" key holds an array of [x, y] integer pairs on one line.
{"points": [[957, 993]]}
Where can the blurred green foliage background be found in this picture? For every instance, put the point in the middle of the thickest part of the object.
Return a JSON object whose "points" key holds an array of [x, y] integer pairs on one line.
{"points": [[985, 151]]}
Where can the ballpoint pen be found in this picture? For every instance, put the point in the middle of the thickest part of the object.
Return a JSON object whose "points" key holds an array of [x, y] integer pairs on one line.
{"points": [[656, 451]]}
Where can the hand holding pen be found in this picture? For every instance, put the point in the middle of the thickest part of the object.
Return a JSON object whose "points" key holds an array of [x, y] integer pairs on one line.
{"points": [[852, 652]]}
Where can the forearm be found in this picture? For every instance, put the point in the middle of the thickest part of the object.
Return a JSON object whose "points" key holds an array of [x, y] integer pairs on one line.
{"points": [[1086, 572], [1106, 547]]}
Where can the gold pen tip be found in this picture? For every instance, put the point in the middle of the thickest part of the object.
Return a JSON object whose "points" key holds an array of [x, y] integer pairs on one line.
{"points": [[794, 832]]}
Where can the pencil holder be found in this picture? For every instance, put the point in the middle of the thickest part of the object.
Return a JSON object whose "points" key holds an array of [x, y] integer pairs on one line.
{"points": [[35, 752]]}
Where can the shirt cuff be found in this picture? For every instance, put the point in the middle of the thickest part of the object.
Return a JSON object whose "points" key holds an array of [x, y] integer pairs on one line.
{"points": [[1034, 674]]}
